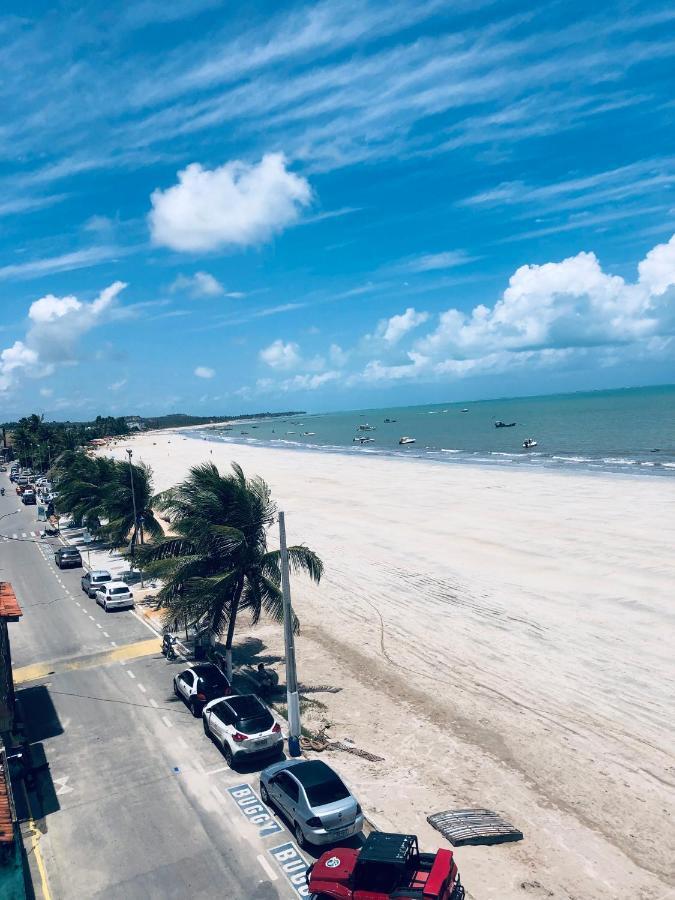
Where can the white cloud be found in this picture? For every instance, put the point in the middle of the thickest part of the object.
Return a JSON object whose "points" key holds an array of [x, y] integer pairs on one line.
{"points": [[392, 330], [657, 269], [433, 261], [201, 284], [46, 392], [56, 324], [118, 385], [280, 355], [204, 372], [237, 204]]}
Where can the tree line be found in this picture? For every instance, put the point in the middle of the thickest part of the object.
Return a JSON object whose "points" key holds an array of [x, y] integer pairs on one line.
{"points": [[37, 443]]}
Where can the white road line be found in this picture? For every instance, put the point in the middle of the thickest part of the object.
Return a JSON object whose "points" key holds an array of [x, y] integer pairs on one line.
{"points": [[78, 604], [91, 617], [183, 742], [216, 771], [105, 634], [130, 673], [141, 688], [267, 868], [24, 535], [154, 703], [114, 643], [99, 626], [14, 537], [217, 794], [167, 721]]}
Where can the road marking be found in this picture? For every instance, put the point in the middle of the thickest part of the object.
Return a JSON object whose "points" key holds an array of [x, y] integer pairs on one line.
{"points": [[293, 865], [64, 787], [154, 703], [121, 654], [99, 626], [105, 634], [141, 688], [130, 673], [217, 794], [78, 604], [90, 616], [24, 535], [253, 809], [267, 868], [14, 537], [167, 721], [215, 771], [183, 743], [34, 832]]}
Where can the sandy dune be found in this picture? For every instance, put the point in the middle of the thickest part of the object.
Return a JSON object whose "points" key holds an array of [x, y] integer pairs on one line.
{"points": [[502, 639]]}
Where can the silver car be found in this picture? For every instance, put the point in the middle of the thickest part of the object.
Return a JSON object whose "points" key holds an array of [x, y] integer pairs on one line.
{"points": [[314, 800], [93, 580], [114, 595]]}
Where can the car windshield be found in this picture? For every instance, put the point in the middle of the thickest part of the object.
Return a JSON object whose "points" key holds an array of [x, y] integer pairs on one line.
{"points": [[70, 553], [328, 791], [210, 677], [99, 579], [255, 724], [119, 590]]}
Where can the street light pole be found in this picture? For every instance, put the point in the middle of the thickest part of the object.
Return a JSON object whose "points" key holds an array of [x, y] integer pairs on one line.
{"points": [[293, 700]]}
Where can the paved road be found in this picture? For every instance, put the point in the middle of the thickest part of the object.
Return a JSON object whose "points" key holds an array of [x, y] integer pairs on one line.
{"points": [[141, 807]]}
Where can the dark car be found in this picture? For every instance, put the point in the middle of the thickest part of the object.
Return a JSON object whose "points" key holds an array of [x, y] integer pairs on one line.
{"points": [[68, 558], [28, 498], [199, 684]]}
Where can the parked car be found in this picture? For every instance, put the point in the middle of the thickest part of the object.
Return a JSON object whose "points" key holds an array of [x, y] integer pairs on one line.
{"points": [[114, 595], [200, 684], [28, 497], [93, 580], [386, 866], [68, 558], [314, 799], [243, 726]]}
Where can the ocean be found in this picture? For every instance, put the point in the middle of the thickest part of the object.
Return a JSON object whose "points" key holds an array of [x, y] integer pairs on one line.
{"points": [[629, 431]]}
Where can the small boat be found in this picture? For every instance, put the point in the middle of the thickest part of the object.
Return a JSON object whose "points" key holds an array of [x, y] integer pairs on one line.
{"points": [[389, 421], [406, 440], [290, 432], [366, 427], [464, 410], [363, 440], [309, 432], [529, 443], [243, 432], [501, 424]]}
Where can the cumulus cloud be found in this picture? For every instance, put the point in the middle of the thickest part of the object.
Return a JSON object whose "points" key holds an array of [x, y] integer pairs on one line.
{"points": [[201, 284], [56, 324], [204, 372], [392, 330], [280, 355], [235, 205]]}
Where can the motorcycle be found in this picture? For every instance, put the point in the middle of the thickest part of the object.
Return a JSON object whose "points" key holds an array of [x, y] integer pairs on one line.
{"points": [[168, 642], [2, 492]]}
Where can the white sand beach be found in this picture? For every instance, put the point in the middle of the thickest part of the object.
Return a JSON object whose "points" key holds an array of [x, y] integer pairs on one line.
{"points": [[503, 639]]}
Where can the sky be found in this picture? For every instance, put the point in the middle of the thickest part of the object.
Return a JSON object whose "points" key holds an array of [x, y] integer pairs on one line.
{"points": [[213, 208]]}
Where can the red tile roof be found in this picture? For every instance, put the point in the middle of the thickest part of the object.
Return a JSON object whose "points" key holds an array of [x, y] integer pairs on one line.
{"points": [[9, 605], [6, 823]]}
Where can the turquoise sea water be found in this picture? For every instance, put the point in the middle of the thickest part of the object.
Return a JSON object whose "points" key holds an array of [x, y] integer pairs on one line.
{"points": [[630, 431]]}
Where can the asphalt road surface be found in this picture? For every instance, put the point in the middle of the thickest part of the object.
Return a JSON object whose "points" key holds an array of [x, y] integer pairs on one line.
{"points": [[139, 805]]}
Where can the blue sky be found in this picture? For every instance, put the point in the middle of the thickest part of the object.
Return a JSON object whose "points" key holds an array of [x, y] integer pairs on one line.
{"points": [[212, 207]]}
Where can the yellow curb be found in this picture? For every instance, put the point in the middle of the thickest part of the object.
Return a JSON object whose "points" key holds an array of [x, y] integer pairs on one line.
{"points": [[56, 667]]}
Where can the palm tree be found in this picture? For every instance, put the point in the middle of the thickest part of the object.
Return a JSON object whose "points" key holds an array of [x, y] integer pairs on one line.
{"points": [[83, 484], [217, 562], [118, 505]]}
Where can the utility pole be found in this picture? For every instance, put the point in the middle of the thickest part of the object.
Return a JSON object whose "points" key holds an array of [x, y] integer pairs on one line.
{"points": [[292, 697]]}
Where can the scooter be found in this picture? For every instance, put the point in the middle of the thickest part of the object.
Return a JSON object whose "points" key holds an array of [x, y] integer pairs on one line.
{"points": [[2, 492], [168, 641]]}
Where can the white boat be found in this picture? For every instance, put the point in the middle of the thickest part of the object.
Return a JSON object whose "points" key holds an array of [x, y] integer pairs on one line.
{"points": [[406, 440], [309, 432], [529, 443], [464, 410], [366, 427]]}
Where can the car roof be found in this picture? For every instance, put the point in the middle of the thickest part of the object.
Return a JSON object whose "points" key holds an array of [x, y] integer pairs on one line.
{"points": [[68, 550], [95, 573], [385, 847], [245, 704], [312, 772], [112, 584], [207, 669]]}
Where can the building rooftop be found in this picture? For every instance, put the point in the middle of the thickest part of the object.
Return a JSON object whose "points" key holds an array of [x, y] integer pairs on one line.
{"points": [[9, 605]]}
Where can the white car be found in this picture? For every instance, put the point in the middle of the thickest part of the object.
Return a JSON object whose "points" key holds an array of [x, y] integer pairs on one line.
{"points": [[243, 726], [115, 595], [199, 684]]}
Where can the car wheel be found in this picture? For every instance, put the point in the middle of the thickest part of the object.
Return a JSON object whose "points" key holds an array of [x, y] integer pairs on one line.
{"points": [[175, 688], [207, 730], [105, 606], [194, 708], [264, 796], [300, 838], [227, 753]]}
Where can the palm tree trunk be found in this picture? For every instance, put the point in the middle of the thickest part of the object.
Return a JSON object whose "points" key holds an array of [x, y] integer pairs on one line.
{"points": [[230, 630]]}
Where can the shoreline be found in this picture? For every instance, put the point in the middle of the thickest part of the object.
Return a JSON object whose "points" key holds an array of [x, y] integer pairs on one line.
{"points": [[500, 641]]}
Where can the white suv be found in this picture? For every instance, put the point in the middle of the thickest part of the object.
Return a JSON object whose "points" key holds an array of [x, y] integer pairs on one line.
{"points": [[114, 595], [243, 726]]}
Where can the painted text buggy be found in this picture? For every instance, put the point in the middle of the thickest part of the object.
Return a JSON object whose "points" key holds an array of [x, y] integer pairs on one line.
{"points": [[388, 866]]}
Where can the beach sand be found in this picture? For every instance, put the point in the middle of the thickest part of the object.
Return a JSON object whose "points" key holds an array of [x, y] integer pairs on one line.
{"points": [[503, 639]]}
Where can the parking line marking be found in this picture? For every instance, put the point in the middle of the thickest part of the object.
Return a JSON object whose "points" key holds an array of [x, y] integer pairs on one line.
{"points": [[183, 742], [91, 617], [14, 537], [216, 771], [79, 604], [99, 626], [154, 703], [141, 688], [217, 794], [269, 871], [167, 721], [130, 673], [105, 634], [114, 643]]}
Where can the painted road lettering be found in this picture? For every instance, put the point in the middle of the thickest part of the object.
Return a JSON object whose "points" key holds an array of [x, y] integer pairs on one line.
{"points": [[294, 867], [254, 809]]}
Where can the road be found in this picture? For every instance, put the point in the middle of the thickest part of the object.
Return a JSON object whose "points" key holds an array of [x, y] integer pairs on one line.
{"points": [[140, 805]]}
